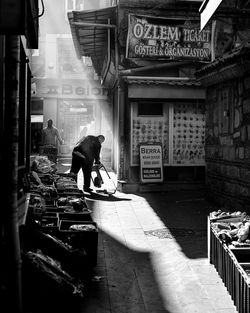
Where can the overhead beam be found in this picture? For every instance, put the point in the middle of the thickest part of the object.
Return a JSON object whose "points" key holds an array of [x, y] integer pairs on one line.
{"points": [[93, 25]]}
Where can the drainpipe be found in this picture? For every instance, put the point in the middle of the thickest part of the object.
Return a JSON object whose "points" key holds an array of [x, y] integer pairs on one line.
{"points": [[10, 168]]}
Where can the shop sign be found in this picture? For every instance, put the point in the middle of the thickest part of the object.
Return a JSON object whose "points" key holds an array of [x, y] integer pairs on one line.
{"points": [[67, 89], [151, 169], [161, 38], [55, 88]]}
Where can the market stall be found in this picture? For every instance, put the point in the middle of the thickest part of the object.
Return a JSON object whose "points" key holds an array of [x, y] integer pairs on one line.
{"points": [[59, 238], [229, 252]]}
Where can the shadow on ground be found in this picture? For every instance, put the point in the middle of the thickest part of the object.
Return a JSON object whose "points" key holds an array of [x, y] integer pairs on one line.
{"points": [[127, 281], [184, 214], [105, 197]]}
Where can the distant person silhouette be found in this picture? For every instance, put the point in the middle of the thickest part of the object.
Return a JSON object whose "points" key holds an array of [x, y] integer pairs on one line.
{"points": [[50, 135]]}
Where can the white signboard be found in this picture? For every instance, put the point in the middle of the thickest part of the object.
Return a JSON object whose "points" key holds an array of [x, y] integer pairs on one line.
{"points": [[151, 169], [207, 9], [152, 37]]}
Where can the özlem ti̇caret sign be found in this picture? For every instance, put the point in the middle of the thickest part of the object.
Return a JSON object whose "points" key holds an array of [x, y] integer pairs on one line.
{"points": [[161, 38]]}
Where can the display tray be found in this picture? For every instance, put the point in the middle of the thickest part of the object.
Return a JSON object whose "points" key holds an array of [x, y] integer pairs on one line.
{"points": [[75, 216], [49, 214], [242, 255], [65, 225], [66, 185], [54, 209], [87, 240], [50, 202], [68, 175], [49, 223], [70, 192]]}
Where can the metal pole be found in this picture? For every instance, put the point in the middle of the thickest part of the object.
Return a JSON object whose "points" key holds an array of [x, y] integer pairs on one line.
{"points": [[93, 25]]}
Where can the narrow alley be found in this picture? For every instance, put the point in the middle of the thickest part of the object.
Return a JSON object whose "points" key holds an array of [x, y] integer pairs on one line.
{"points": [[152, 255]]}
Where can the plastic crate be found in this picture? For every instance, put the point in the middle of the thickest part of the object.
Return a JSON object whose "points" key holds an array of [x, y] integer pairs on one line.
{"points": [[88, 240]]}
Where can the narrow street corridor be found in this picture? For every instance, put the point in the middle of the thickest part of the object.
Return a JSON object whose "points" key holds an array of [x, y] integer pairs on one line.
{"points": [[152, 255]]}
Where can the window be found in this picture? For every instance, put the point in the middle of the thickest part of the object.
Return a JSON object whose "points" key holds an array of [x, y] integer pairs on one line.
{"points": [[36, 106], [150, 109], [73, 5]]}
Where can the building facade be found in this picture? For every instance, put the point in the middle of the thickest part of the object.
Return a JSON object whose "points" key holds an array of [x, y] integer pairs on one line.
{"points": [[19, 22], [227, 119], [151, 55]]}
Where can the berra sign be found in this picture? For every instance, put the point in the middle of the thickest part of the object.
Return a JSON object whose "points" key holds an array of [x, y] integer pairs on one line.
{"points": [[150, 37], [151, 168]]}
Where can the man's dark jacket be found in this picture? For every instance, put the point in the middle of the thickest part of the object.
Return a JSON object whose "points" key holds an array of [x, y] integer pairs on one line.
{"points": [[90, 147]]}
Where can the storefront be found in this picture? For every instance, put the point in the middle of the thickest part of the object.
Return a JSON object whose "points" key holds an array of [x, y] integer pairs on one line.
{"points": [[151, 66], [170, 113]]}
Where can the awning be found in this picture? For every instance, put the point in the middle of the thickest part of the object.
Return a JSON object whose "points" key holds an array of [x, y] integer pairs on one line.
{"points": [[89, 30], [143, 87], [231, 65]]}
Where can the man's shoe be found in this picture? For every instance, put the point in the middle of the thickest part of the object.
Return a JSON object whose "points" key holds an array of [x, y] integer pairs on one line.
{"points": [[87, 189]]}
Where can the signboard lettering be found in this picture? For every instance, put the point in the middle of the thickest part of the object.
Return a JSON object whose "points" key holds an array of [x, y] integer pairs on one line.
{"points": [[151, 163], [71, 89], [161, 38]]}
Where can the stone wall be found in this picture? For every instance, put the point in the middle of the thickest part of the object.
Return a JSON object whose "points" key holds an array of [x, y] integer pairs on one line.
{"points": [[228, 142]]}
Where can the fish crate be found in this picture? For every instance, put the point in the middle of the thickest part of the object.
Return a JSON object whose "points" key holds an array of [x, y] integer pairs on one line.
{"points": [[228, 263], [50, 202], [246, 268], [75, 216], [70, 192], [242, 255], [50, 223], [53, 209], [68, 175], [49, 214], [86, 239]]}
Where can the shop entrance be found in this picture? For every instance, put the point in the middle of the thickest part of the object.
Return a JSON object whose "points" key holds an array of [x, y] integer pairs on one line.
{"points": [[179, 126]]}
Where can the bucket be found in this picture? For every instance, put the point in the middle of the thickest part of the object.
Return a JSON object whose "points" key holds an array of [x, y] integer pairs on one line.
{"points": [[64, 149]]}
